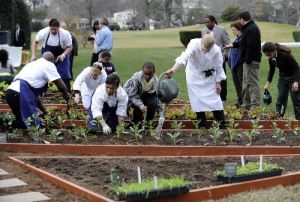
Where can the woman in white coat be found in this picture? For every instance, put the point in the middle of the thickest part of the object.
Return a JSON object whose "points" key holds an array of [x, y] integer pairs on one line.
{"points": [[204, 72], [87, 82]]}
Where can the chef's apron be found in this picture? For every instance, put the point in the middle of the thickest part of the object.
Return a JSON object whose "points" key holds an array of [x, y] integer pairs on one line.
{"points": [[63, 68], [28, 102]]}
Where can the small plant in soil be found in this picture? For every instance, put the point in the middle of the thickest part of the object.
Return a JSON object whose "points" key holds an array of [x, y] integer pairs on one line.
{"points": [[135, 131], [199, 130], [250, 168], [147, 186], [120, 130], [6, 119], [79, 134], [215, 132], [153, 131], [289, 123], [278, 132], [232, 131], [54, 134], [177, 127], [32, 126]]}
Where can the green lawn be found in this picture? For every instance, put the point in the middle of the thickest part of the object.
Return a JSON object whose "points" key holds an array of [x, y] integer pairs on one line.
{"points": [[133, 48]]}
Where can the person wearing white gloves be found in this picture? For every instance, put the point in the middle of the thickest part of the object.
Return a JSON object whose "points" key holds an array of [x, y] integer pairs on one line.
{"points": [[87, 82], [109, 104], [204, 72]]}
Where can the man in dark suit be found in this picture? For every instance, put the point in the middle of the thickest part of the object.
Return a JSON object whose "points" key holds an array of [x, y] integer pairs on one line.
{"points": [[221, 39], [19, 36]]}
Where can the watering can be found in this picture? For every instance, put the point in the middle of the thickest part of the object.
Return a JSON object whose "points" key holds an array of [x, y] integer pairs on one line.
{"points": [[267, 98], [167, 89]]}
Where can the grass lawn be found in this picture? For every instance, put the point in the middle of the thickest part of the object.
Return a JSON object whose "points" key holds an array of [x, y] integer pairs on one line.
{"points": [[133, 48]]}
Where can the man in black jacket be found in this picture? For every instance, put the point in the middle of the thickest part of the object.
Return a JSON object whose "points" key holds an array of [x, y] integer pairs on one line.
{"points": [[19, 36], [250, 49]]}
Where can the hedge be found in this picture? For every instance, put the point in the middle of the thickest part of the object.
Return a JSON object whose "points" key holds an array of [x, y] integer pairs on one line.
{"points": [[186, 36], [296, 36]]}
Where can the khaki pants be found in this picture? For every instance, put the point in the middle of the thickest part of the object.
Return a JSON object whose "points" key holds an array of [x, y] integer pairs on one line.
{"points": [[251, 91]]}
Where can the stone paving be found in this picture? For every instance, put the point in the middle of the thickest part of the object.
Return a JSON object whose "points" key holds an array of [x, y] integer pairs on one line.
{"points": [[18, 197]]}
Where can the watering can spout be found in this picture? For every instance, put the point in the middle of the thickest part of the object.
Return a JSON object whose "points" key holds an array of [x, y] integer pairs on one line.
{"points": [[167, 89]]}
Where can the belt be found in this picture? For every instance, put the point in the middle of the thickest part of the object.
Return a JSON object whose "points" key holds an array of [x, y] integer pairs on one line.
{"points": [[209, 72]]}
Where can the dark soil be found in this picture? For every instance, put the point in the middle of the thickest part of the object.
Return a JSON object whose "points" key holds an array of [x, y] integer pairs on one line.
{"points": [[34, 182], [68, 136], [94, 172]]}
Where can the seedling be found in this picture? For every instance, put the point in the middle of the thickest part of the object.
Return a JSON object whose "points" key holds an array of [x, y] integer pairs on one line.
{"points": [[289, 123], [232, 131], [215, 132], [199, 131], [177, 127], [32, 125], [120, 130], [153, 130], [136, 131], [54, 134], [80, 133], [278, 132]]}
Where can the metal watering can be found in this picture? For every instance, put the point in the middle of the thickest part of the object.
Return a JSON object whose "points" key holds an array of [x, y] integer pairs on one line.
{"points": [[267, 98], [167, 89]]}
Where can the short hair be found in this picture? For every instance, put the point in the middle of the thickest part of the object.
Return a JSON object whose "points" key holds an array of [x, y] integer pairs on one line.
{"points": [[96, 22], [149, 65], [48, 56], [3, 57], [113, 79], [105, 54], [98, 65], [237, 24], [207, 41], [53, 23], [245, 15], [104, 21], [269, 47], [212, 18]]}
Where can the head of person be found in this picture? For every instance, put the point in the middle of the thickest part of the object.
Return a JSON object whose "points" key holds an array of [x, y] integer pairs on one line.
{"points": [[103, 22], [236, 27], [17, 25], [112, 83], [148, 70], [105, 57], [96, 26], [3, 58], [244, 17], [210, 22], [63, 25], [54, 26], [48, 56], [96, 70], [271, 49], [207, 43]]}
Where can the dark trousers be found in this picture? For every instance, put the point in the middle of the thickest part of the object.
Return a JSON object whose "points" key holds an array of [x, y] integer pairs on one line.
{"points": [[68, 84], [237, 77], [110, 117], [71, 57], [223, 84], [13, 100], [284, 87], [218, 114], [150, 100], [95, 58]]}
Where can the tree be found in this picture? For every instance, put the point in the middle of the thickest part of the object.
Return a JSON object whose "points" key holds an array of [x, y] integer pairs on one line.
{"points": [[7, 14], [230, 12]]}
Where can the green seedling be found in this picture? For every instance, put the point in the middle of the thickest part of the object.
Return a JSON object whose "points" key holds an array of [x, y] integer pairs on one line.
{"points": [[135, 131], [120, 130], [215, 132], [289, 123], [54, 134], [79, 134], [153, 131], [278, 132], [32, 125], [256, 126], [232, 131], [199, 131], [177, 127]]}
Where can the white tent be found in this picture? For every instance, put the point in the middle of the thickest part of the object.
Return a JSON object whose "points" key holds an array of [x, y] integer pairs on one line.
{"points": [[15, 54]]}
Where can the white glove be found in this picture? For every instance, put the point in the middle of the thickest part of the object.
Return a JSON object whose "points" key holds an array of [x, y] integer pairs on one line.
{"points": [[106, 129], [77, 98], [61, 57]]}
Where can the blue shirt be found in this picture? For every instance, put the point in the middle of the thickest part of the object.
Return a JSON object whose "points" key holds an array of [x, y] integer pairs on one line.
{"points": [[104, 39]]}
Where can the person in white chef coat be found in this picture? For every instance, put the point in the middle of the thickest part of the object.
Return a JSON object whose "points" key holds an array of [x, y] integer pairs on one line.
{"points": [[204, 72], [109, 104], [87, 82]]}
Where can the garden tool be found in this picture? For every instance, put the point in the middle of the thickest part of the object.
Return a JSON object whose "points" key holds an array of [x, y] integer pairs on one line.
{"points": [[144, 120], [167, 89], [267, 98]]}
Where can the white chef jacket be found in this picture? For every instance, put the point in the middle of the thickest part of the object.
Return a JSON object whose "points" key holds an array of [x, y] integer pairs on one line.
{"points": [[120, 98], [202, 90], [85, 83], [36, 73], [64, 37]]}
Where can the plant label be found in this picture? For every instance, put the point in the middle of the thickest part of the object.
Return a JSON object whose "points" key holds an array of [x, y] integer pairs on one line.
{"points": [[260, 163], [230, 169], [155, 182], [242, 161], [139, 174]]}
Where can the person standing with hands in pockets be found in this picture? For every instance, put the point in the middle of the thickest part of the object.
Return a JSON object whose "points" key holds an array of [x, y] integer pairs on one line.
{"points": [[204, 72]]}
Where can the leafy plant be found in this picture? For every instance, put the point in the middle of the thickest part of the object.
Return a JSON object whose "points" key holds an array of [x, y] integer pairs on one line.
{"points": [[289, 123], [153, 131], [79, 134], [136, 131], [250, 168], [54, 134], [177, 127], [215, 132], [232, 131], [120, 130], [256, 126], [32, 125], [147, 185], [278, 132], [199, 130]]}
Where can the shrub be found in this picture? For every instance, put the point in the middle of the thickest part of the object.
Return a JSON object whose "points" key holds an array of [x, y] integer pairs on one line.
{"points": [[296, 36], [186, 36], [37, 26], [230, 12]]}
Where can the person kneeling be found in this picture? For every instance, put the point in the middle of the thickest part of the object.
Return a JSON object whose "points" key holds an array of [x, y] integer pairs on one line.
{"points": [[141, 90], [109, 104]]}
